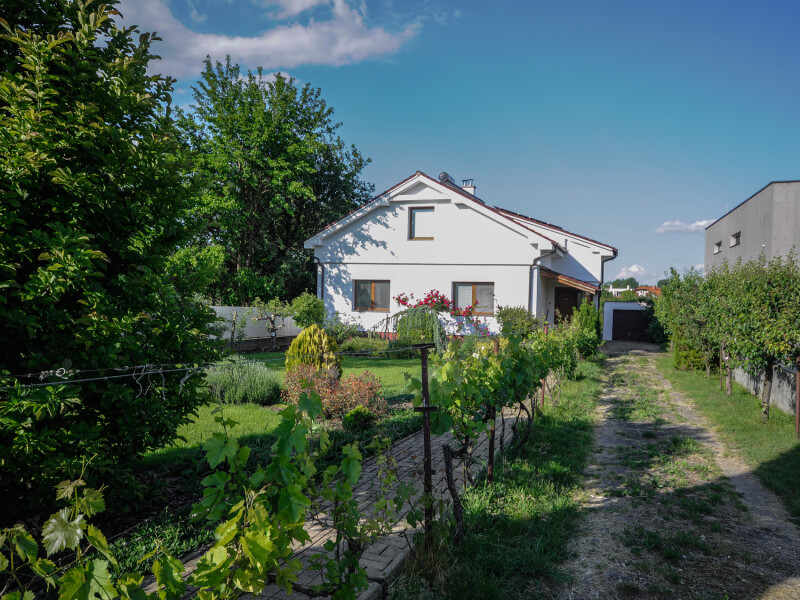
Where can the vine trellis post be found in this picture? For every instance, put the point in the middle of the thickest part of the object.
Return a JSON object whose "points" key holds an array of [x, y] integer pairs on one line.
{"points": [[797, 399], [427, 467]]}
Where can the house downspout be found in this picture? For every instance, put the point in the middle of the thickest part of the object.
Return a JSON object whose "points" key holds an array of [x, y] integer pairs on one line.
{"points": [[603, 276], [535, 265], [321, 287]]}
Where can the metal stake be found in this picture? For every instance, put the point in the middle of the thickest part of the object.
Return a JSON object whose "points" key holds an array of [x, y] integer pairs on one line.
{"points": [[544, 381], [797, 399], [426, 409]]}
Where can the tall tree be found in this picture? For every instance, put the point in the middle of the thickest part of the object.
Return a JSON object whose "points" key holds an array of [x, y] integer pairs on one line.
{"points": [[94, 202], [275, 172]]}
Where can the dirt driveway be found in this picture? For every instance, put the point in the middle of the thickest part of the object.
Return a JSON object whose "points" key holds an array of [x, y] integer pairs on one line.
{"points": [[671, 513]]}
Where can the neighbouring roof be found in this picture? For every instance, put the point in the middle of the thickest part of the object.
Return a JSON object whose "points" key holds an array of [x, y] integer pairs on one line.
{"points": [[653, 289]]}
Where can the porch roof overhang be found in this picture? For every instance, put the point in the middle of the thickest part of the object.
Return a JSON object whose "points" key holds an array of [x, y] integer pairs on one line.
{"points": [[568, 281]]}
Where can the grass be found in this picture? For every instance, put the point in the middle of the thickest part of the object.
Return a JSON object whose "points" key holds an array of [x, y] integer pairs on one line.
{"points": [[390, 371], [769, 448], [255, 424], [517, 529]]}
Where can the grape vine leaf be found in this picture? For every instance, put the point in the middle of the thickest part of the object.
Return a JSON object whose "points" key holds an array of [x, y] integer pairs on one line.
{"points": [[60, 533]]}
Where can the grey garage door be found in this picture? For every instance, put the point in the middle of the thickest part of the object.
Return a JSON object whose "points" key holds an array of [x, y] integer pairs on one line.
{"points": [[628, 325]]}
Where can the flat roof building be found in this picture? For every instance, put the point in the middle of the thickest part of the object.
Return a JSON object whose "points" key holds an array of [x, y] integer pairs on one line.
{"points": [[768, 222]]}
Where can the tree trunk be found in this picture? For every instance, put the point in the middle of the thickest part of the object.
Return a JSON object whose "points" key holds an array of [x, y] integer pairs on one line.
{"points": [[767, 391], [728, 382], [708, 369]]}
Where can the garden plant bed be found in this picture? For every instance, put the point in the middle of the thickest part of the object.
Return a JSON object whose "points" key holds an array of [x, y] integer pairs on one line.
{"points": [[670, 511], [169, 479]]}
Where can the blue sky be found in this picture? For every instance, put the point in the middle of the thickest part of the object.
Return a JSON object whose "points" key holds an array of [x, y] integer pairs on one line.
{"points": [[629, 122]]}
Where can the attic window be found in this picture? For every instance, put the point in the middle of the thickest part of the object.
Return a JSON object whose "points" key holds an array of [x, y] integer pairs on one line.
{"points": [[717, 247], [736, 239], [420, 223]]}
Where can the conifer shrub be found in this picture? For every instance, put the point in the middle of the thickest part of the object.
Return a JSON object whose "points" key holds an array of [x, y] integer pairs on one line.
{"points": [[589, 332], [314, 347]]}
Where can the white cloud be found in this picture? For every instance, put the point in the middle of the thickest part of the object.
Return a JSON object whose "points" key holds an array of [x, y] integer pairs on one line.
{"points": [[196, 16], [343, 39], [289, 8], [681, 227], [638, 272]]}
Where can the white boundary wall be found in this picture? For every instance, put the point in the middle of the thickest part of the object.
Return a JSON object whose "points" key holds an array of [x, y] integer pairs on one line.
{"points": [[253, 328]]}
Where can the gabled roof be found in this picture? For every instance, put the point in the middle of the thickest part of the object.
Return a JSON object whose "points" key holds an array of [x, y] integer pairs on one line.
{"points": [[519, 220], [552, 227], [383, 199]]}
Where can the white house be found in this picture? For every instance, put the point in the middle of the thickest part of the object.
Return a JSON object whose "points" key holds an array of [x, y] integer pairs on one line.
{"points": [[426, 234]]}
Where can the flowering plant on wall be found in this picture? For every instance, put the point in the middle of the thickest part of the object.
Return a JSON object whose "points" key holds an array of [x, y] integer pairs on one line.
{"points": [[437, 301]]}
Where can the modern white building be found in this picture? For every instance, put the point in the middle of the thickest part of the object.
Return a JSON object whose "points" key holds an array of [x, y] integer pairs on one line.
{"points": [[428, 234]]}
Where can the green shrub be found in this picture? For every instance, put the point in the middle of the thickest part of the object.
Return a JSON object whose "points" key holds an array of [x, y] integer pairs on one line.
{"points": [[364, 345], [586, 319], [342, 329], [516, 320], [245, 382], [85, 240], [338, 397], [400, 349], [308, 310], [359, 419], [686, 356], [316, 348]]}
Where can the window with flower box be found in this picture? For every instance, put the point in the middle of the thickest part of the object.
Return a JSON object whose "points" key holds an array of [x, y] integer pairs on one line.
{"points": [[371, 295]]}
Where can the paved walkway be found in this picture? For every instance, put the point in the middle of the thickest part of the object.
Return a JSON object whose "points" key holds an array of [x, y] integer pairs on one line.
{"points": [[385, 557]]}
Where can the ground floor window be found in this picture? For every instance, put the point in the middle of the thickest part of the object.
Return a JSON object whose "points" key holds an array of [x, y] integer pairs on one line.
{"points": [[372, 295], [468, 293]]}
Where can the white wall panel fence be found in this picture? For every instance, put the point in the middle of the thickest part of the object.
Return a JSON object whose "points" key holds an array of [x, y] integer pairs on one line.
{"points": [[253, 328]]}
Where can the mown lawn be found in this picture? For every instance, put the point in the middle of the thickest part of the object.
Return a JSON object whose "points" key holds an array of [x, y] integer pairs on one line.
{"points": [[256, 423], [390, 371], [517, 530], [253, 421], [770, 449]]}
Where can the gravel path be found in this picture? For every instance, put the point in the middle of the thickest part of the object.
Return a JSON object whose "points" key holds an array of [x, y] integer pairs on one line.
{"points": [[671, 513]]}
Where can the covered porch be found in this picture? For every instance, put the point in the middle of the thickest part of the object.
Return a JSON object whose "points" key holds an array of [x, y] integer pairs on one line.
{"points": [[558, 294]]}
